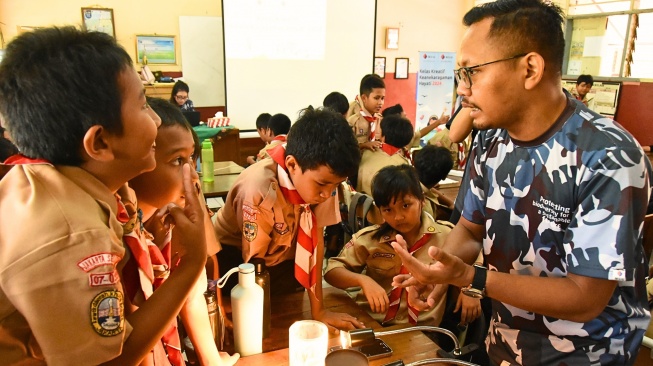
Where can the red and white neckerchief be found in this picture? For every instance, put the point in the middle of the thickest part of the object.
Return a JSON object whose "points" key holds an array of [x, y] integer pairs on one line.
{"points": [[389, 149], [20, 159], [397, 292], [462, 160], [281, 138], [307, 236], [152, 268], [372, 120]]}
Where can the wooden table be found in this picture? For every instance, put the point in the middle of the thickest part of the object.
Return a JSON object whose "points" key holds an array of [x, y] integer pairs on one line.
{"points": [[450, 190], [409, 346], [225, 174]]}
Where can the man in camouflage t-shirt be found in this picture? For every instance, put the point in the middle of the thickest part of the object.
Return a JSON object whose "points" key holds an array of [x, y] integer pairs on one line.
{"points": [[556, 202]]}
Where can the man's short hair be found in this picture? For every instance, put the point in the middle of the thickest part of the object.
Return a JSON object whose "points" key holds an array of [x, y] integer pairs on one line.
{"points": [[522, 26], [262, 120], [369, 82], [279, 124], [337, 102], [397, 130], [56, 83], [323, 137], [433, 164], [585, 78], [395, 109]]}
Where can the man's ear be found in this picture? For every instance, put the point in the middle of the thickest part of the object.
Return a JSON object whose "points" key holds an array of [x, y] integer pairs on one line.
{"points": [[96, 145], [534, 63]]}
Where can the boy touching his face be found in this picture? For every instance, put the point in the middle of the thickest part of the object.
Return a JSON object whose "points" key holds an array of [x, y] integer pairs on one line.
{"points": [[61, 295], [263, 210]]}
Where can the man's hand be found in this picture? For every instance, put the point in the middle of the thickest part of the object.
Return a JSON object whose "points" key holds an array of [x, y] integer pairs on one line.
{"points": [[337, 321], [375, 294]]}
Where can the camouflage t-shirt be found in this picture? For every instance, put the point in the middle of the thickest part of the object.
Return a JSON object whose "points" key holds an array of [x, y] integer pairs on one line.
{"points": [[572, 202]]}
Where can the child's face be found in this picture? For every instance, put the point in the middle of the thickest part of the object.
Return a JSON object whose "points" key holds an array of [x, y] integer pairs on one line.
{"points": [[313, 185], [155, 189], [264, 134], [403, 214], [134, 149], [374, 102], [583, 88]]}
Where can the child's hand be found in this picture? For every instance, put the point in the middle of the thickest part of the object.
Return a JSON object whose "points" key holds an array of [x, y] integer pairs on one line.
{"points": [[370, 145], [375, 294], [470, 308], [188, 233], [226, 360], [337, 321], [424, 297]]}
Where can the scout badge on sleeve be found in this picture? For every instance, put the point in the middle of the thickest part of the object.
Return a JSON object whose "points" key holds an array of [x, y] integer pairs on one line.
{"points": [[249, 230], [107, 313]]}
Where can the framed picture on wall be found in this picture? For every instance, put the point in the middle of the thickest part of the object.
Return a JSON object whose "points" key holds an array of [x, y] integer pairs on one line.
{"points": [[99, 20], [379, 66], [401, 68], [156, 49], [392, 38]]}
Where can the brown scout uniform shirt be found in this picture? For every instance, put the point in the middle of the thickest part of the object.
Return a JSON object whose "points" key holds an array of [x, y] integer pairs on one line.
{"points": [[362, 128], [263, 153], [379, 261], [257, 218], [372, 162], [61, 301]]}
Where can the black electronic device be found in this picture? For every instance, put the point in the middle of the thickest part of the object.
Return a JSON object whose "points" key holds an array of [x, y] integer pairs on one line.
{"points": [[372, 350], [192, 117]]}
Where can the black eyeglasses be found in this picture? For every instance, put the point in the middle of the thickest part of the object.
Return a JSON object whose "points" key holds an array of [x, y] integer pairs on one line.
{"points": [[464, 74]]}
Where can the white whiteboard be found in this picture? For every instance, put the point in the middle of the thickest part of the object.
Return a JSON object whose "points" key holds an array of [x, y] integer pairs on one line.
{"points": [[275, 84], [202, 56]]}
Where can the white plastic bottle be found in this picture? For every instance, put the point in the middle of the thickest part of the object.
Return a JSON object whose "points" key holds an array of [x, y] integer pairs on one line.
{"points": [[246, 311]]}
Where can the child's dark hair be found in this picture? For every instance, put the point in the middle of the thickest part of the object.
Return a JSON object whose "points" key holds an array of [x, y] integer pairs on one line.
{"points": [[395, 109], [585, 78], [337, 102], [171, 115], [391, 183], [279, 124], [179, 86], [7, 149], [397, 130], [433, 164], [55, 83], [323, 137], [369, 82], [262, 120]]}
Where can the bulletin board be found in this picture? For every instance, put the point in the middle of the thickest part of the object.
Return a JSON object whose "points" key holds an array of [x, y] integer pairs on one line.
{"points": [[603, 97], [99, 20]]}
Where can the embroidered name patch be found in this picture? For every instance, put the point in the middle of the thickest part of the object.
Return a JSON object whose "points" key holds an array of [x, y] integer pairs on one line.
{"points": [[349, 244], [107, 313], [383, 255], [103, 279], [617, 274], [249, 213], [249, 230], [280, 229], [97, 260]]}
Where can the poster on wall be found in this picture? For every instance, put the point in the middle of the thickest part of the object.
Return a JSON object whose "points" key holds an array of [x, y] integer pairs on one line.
{"points": [[435, 86], [602, 98]]}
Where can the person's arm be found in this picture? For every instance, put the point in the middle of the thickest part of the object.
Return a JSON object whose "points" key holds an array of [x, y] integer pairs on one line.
{"points": [[370, 145], [375, 294], [443, 200], [152, 319], [334, 321], [250, 160], [433, 123], [194, 315], [461, 126], [578, 298]]}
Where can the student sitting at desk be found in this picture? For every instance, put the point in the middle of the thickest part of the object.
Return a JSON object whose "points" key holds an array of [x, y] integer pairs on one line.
{"points": [[145, 236], [278, 127], [398, 194], [264, 208]]}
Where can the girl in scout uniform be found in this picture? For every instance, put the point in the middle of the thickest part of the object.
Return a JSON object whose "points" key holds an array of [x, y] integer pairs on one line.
{"points": [[397, 193]]}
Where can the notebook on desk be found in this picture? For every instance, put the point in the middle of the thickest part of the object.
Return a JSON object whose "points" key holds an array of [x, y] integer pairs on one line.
{"points": [[192, 117]]}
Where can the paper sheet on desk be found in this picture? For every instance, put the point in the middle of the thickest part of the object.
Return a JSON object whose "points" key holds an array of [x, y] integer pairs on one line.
{"points": [[447, 181], [456, 173]]}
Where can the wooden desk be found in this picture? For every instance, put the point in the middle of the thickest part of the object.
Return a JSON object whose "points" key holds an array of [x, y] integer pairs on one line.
{"points": [[220, 185], [410, 346], [450, 190], [159, 90], [226, 168]]}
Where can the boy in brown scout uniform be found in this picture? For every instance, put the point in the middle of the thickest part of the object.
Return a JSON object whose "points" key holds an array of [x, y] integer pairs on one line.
{"points": [[367, 119], [397, 133], [433, 164], [278, 207], [278, 127], [72, 102]]}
